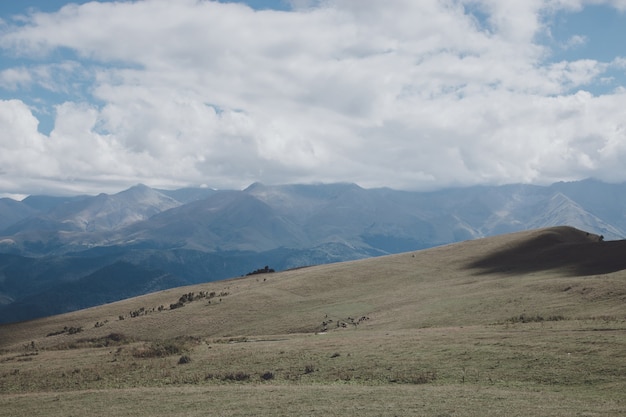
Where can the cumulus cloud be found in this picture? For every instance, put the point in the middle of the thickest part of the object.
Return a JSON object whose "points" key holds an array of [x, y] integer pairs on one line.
{"points": [[414, 95]]}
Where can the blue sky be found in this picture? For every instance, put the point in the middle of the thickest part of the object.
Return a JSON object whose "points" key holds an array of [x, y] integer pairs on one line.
{"points": [[98, 96], [603, 29]]}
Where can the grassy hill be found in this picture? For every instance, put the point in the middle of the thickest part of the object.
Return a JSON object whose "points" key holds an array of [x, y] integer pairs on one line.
{"points": [[526, 324]]}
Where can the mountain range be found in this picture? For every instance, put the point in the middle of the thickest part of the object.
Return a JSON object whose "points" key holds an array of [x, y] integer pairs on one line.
{"points": [[58, 254]]}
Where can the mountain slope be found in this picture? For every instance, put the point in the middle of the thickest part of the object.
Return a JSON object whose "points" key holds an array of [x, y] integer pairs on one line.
{"points": [[12, 211], [560, 209], [229, 220], [441, 331], [606, 201], [562, 248], [444, 286]]}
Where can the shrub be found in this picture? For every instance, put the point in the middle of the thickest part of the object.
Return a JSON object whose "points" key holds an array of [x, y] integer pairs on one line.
{"points": [[184, 359], [68, 330], [523, 318], [267, 376], [238, 376], [266, 270], [309, 369]]}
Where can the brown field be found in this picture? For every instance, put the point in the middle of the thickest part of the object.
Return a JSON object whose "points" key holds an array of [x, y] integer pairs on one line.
{"points": [[528, 324]]}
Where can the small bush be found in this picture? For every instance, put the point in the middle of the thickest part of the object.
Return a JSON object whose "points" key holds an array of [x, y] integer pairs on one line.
{"points": [[267, 376], [309, 369], [184, 359], [238, 376]]}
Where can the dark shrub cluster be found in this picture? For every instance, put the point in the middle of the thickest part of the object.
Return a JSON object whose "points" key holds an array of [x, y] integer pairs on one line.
{"points": [[523, 318], [189, 297], [266, 270], [138, 312], [68, 330], [233, 376]]}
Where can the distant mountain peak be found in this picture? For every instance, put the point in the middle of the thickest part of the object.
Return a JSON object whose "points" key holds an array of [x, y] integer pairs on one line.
{"points": [[140, 186], [138, 189], [255, 186]]}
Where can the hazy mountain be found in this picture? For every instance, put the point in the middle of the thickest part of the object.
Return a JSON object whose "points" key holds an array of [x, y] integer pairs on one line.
{"points": [[187, 195], [65, 223], [212, 235], [560, 209], [12, 211], [45, 203], [108, 212], [606, 201], [226, 220]]}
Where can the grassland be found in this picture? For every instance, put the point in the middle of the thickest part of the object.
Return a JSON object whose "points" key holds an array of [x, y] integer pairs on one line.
{"points": [[516, 325]]}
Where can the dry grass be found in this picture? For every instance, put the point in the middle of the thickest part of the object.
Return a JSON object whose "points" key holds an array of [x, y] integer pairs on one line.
{"points": [[413, 334]]}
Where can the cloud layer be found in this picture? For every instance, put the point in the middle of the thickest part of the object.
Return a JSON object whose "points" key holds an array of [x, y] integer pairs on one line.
{"points": [[413, 95]]}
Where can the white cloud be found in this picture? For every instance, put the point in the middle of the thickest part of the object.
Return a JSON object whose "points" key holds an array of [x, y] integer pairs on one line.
{"points": [[402, 93], [575, 41], [14, 78]]}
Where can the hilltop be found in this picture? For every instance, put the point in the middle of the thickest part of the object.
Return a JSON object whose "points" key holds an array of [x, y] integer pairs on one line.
{"points": [[535, 319]]}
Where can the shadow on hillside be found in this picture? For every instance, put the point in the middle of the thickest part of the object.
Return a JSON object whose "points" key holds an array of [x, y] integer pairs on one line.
{"points": [[548, 251]]}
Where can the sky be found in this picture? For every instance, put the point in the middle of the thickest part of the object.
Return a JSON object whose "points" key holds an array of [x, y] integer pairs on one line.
{"points": [[415, 95]]}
